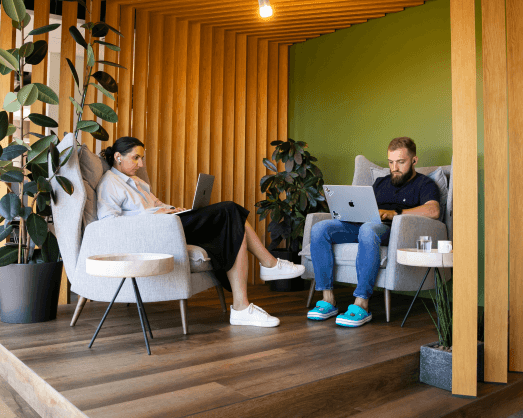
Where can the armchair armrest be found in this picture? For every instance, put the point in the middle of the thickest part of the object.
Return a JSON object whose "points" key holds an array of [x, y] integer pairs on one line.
{"points": [[311, 219]]}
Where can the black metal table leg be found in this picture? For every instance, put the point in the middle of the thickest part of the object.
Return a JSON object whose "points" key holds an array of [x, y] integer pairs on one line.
{"points": [[417, 293], [106, 312], [144, 313], [140, 307]]}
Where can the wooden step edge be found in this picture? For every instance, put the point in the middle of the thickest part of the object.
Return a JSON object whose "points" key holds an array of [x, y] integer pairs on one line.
{"points": [[41, 396]]}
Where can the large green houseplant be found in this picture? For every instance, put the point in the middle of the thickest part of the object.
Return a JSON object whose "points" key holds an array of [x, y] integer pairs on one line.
{"points": [[27, 205], [290, 195]]}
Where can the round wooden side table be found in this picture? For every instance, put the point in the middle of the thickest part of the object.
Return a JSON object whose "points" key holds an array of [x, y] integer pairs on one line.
{"points": [[129, 266], [415, 258]]}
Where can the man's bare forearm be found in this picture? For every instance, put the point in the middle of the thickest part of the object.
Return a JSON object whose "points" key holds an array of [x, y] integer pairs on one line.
{"points": [[429, 210]]}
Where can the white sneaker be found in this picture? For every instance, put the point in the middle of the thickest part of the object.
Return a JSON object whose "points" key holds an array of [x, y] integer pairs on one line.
{"points": [[253, 315], [282, 270]]}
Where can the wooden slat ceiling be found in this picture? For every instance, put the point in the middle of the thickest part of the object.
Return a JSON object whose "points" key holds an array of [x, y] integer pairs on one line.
{"points": [[292, 20]]}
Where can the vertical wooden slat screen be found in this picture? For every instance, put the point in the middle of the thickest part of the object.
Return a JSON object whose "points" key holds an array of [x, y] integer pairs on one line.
{"points": [[283, 96], [204, 101], [91, 96], [191, 121], [496, 190], [239, 119], [261, 128], [250, 134], [167, 93], [179, 115], [465, 172], [65, 109], [141, 64], [515, 121], [125, 79], [112, 17], [153, 96], [218, 40], [39, 72], [229, 69]]}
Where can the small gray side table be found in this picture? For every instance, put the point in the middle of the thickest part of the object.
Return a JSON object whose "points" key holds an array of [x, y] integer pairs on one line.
{"points": [[132, 266], [415, 258]]}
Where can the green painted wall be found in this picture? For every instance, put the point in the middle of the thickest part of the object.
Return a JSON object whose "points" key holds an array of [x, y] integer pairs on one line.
{"points": [[352, 91]]}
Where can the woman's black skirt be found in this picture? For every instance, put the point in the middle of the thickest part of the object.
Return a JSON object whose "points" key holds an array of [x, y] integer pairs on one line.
{"points": [[219, 229]]}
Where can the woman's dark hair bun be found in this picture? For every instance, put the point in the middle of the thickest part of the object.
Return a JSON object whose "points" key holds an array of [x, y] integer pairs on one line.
{"points": [[122, 145]]}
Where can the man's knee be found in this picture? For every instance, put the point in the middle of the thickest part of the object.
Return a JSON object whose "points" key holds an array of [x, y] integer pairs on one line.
{"points": [[322, 230], [368, 232]]}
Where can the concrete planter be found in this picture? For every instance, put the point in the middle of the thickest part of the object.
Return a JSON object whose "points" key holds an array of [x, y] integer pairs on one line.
{"points": [[29, 292], [436, 366]]}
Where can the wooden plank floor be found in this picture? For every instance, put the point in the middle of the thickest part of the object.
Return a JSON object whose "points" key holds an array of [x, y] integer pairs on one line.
{"points": [[301, 368]]}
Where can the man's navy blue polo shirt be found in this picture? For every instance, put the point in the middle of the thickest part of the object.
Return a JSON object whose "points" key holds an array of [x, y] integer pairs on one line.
{"points": [[415, 192]]}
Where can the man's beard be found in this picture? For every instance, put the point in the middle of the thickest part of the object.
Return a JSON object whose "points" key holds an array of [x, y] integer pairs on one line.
{"points": [[399, 181]]}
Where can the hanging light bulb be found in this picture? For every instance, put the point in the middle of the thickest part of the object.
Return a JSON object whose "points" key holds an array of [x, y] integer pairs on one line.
{"points": [[265, 8]]}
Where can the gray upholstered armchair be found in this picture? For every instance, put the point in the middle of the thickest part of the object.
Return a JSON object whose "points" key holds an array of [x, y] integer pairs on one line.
{"points": [[404, 232], [81, 235]]}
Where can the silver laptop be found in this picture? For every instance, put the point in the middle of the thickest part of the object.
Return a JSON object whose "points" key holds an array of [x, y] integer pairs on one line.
{"points": [[202, 194], [352, 203]]}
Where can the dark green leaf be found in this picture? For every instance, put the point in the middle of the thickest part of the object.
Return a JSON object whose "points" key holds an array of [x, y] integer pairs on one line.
{"points": [[24, 22], [12, 177], [36, 134], [27, 95], [46, 94], [108, 45], [44, 185], [104, 91], [44, 29], [65, 155], [104, 112], [77, 36], [39, 53], [275, 143], [269, 164], [41, 202], [27, 49], [4, 70], [87, 125], [42, 120], [38, 153], [38, 170], [55, 156], [37, 228], [50, 249], [73, 71], [114, 30], [25, 212], [11, 152], [4, 125], [66, 184], [112, 64], [10, 131], [303, 201], [5, 232], [100, 29], [106, 81], [7, 59], [8, 254], [101, 134], [15, 9], [10, 206], [30, 188]]}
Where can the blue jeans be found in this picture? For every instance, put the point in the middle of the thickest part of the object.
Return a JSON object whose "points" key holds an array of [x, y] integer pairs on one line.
{"points": [[369, 237]]}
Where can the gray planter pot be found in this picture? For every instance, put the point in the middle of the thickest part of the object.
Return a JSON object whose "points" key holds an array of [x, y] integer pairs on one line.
{"points": [[29, 292], [435, 366]]}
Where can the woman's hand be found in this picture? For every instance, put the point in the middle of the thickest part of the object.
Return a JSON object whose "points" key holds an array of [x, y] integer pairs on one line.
{"points": [[165, 210]]}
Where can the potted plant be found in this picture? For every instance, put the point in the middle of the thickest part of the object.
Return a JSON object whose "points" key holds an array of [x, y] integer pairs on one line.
{"points": [[436, 357], [29, 276], [290, 195]]}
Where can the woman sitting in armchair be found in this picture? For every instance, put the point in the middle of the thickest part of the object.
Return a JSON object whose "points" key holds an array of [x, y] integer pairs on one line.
{"points": [[220, 229]]}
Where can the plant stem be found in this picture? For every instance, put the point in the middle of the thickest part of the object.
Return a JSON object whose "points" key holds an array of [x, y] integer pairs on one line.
{"points": [[21, 226], [86, 85]]}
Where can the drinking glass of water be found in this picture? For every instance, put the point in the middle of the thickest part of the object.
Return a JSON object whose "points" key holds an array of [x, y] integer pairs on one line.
{"points": [[424, 244]]}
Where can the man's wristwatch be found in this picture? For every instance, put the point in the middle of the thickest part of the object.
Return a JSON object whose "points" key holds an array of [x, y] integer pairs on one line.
{"points": [[398, 211]]}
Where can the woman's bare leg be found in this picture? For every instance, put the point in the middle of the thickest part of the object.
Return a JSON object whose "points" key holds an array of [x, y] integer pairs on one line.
{"points": [[238, 278], [255, 246]]}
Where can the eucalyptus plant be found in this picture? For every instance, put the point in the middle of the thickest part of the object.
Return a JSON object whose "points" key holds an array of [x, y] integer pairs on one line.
{"points": [[30, 205], [290, 194]]}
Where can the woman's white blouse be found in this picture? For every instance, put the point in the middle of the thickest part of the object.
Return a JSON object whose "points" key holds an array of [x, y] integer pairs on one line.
{"points": [[121, 195]]}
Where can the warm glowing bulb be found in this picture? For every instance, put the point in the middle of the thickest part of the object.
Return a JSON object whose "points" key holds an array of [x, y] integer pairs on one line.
{"points": [[266, 11]]}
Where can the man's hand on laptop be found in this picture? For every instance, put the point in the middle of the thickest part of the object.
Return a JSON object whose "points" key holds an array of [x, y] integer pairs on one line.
{"points": [[169, 210], [387, 215]]}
